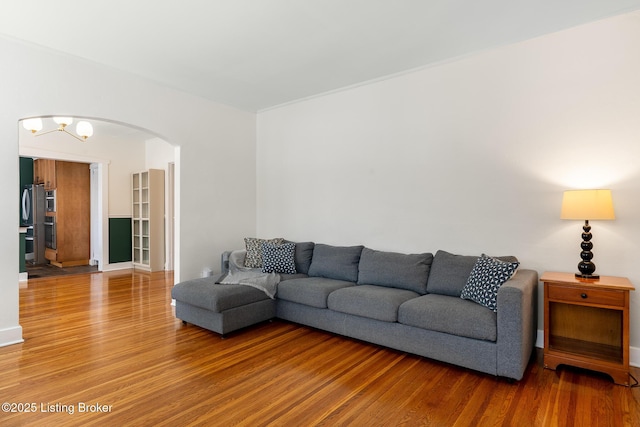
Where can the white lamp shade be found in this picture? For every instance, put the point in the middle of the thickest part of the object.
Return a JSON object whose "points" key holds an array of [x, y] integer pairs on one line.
{"points": [[587, 205], [84, 129], [63, 120], [34, 125]]}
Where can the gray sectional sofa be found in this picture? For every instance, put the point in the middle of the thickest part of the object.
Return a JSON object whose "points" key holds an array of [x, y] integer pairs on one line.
{"points": [[411, 303]]}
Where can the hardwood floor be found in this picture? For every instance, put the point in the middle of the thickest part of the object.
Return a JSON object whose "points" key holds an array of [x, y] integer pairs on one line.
{"points": [[112, 340], [48, 270]]}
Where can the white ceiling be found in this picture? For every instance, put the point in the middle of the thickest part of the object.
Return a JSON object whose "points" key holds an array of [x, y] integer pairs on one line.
{"points": [[256, 54]]}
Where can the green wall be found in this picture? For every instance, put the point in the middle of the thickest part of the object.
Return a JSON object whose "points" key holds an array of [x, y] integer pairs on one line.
{"points": [[26, 171], [120, 240]]}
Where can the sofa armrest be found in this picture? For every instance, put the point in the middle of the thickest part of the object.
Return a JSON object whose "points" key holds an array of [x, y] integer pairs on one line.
{"points": [[517, 314], [224, 262]]}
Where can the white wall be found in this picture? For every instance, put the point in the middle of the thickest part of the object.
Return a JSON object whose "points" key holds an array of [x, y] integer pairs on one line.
{"points": [[470, 156], [158, 154], [214, 141]]}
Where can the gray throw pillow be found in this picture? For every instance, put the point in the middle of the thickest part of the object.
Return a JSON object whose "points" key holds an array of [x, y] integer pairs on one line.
{"points": [[335, 262], [395, 270]]}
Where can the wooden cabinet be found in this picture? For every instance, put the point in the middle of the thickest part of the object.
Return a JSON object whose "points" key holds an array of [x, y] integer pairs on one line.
{"points": [[44, 172], [586, 323], [38, 171], [148, 220], [72, 214]]}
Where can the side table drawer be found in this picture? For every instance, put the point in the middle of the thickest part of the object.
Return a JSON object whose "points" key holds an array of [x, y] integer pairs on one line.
{"points": [[586, 295]]}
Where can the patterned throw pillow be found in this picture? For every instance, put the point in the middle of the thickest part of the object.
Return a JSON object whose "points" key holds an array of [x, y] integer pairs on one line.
{"points": [[253, 246], [487, 276], [279, 258]]}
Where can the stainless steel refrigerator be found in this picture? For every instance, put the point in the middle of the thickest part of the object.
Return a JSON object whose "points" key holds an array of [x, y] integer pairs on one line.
{"points": [[32, 213]]}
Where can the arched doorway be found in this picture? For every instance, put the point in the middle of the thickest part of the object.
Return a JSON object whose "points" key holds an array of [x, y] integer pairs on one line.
{"points": [[113, 153]]}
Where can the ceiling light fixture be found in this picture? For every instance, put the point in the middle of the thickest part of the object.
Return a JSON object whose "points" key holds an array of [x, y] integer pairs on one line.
{"points": [[83, 129]]}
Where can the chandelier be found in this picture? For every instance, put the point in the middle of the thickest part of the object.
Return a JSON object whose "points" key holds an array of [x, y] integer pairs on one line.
{"points": [[83, 129]]}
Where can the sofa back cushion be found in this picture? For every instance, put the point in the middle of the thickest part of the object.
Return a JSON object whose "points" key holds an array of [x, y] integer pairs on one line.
{"points": [[449, 273], [303, 255], [335, 262], [395, 270]]}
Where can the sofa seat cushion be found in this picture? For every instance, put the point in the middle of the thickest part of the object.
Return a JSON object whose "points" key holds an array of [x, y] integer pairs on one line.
{"points": [[451, 315], [204, 293], [312, 291], [284, 276], [374, 302]]}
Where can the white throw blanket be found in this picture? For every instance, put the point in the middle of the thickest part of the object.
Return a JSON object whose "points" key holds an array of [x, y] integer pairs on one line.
{"points": [[254, 277]]}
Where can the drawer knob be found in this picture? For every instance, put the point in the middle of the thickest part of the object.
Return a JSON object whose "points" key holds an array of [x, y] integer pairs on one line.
{"points": [[583, 295]]}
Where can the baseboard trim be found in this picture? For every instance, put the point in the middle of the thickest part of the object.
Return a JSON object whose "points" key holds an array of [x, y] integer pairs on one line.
{"points": [[540, 339], [634, 352], [11, 336], [634, 356], [118, 266]]}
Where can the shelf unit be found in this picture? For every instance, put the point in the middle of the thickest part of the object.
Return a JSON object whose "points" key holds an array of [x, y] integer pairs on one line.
{"points": [[586, 323], [148, 219]]}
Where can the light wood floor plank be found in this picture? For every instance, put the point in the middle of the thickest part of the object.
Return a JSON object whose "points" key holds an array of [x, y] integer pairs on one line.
{"points": [[113, 339]]}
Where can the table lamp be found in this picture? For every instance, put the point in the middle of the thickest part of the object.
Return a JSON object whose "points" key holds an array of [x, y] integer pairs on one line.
{"points": [[587, 205]]}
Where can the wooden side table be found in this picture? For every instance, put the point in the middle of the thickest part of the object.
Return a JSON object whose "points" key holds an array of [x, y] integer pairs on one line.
{"points": [[586, 323]]}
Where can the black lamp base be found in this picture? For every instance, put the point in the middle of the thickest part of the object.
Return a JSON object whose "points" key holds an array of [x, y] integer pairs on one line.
{"points": [[587, 276], [586, 267]]}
